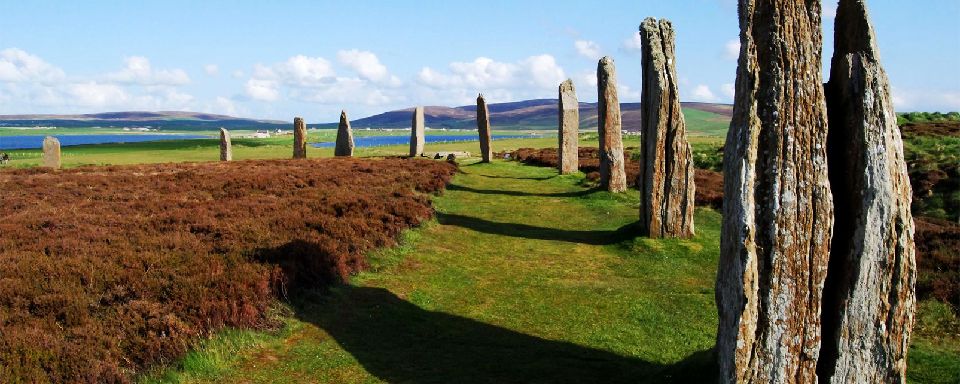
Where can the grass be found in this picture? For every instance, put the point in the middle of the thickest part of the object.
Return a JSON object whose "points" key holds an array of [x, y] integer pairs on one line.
{"points": [[706, 124], [243, 149], [525, 276]]}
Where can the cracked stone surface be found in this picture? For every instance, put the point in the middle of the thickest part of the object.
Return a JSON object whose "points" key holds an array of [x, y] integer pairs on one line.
{"points": [[416, 132], [666, 179], [51, 152], [612, 175], [778, 209], [226, 147], [344, 146], [299, 138], [869, 299], [483, 127], [569, 111]]}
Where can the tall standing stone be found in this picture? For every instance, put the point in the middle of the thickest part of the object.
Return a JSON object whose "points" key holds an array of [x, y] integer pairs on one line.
{"points": [[612, 175], [869, 295], [483, 127], [416, 132], [299, 138], [51, 152], [666, 162], [777, 209], [344, 137], [226, 148], [569, 110]]}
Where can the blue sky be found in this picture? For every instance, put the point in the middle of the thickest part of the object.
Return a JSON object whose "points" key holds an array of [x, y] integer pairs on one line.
{"points": [[309, 58]]}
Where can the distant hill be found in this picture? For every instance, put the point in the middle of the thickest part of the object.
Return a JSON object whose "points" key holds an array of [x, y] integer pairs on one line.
{"points": [[528, 114], [168, 120]]}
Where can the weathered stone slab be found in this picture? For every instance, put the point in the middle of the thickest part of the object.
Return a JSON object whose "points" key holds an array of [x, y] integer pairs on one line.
{"points": [[569, 109], [483, 127], [869, 296], [344, 146], [455, 154], [417, 132], [226, 148], [777, 209], [51, 152], [666, 179], [612, 175], [299, 138]]}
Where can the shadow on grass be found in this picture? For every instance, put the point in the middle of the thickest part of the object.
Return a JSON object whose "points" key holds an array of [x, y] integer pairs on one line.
{"points": [[457, 187], [617, 236], [517, 177], [400, 342]]}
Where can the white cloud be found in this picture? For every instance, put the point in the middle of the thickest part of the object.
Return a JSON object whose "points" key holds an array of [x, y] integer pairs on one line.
{"points": [[588, 49], [263, 90], [731, 50], [728, 90], [348, 90], [367, 65], [487, 74], [16, 65], [588, 77], [303, 71], [830, 10], [911, 100], [211, 69], [137, 70], [633, 43], [314, 80], [40, 87], [702, 93], [223, 106], [238, 74], [544, 71], [627, 94]]}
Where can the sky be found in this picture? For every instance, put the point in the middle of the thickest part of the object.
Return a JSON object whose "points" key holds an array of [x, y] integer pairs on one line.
{"points": [[280, 59]]}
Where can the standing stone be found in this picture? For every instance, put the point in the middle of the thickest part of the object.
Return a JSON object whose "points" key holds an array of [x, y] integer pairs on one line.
{"points": [[869, 295], [416, 133], [483, 127], [612, 175], [226, 150], [777, 209], [299, 138], [344, 137], [569, 128], [666, 162], [51, 152]]}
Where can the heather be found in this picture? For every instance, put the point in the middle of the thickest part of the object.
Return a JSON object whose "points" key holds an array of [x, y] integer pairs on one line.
{"points": [[106, 270]]}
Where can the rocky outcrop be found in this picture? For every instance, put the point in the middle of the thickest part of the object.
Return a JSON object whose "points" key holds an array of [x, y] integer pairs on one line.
{"points": [[869, 295], [226, 147], [778, 210], [51, 152], [483, 127], [666, 179], [612, 175], [416, 133], [569, 110], [299, 138], [344, 137]]}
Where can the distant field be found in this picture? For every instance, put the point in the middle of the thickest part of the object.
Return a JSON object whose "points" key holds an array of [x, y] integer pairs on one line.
{"points": [[176, 151]]}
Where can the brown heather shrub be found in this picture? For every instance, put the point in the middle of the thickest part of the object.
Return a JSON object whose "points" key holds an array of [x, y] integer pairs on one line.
{"points": [[105, 270], [938, 260], [709, 183]]}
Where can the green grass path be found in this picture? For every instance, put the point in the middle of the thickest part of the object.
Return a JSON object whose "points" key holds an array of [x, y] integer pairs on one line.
{"points": [[524, 276]]}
